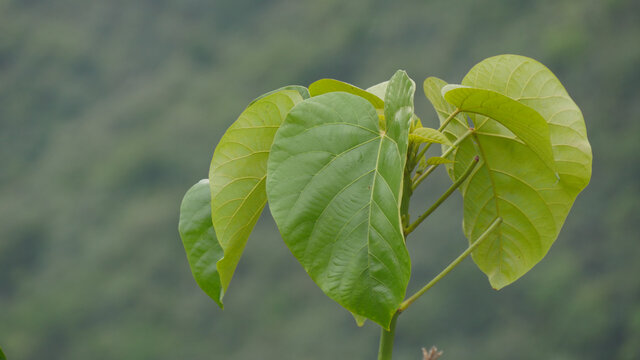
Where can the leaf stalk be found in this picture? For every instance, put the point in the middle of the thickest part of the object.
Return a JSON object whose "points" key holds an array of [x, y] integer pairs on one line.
{"points": [[405, 304]]}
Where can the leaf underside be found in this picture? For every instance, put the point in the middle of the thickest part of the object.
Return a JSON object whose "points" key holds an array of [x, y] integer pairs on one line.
{"points": [[238, 174], [199, 239], [513, 180], [334, 186]]}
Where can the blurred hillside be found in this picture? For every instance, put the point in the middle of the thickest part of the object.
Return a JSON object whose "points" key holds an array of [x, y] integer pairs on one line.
{"points": [[110, 110]]}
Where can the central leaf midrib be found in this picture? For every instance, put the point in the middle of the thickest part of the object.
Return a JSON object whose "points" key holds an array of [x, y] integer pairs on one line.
{"points": [[497, 231]]}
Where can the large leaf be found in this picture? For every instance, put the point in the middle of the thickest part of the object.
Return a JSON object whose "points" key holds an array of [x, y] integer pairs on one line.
{"points": [[238, 175], [513, 181], [335, 185], [199, 239]]}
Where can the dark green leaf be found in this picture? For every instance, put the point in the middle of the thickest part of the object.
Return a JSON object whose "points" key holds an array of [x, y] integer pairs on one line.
{"points": [[335, 185], [199, 239]]}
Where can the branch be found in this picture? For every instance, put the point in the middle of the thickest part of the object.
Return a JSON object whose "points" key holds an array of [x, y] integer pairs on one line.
{"points": [[405, 304], [444, 196]]}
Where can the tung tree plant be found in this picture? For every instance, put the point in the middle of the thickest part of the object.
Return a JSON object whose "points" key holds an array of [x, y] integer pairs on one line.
{"points": [[339, 164]]}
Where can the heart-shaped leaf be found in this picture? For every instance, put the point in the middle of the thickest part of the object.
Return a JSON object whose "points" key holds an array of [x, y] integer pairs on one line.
{"points": [[238, 175], [513, 181], [335, 185], [199, 239]]}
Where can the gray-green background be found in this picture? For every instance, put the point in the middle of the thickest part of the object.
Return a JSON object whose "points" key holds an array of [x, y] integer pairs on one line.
{"points": [[109, 111]]}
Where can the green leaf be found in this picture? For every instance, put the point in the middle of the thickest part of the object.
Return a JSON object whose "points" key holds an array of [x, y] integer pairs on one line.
{"points": [[428, 135], [2, 357], [324, 86], [379, 90], [335, 185], [512, 181], [238, 175], [521, 120], [437, 160], [199, 239]]}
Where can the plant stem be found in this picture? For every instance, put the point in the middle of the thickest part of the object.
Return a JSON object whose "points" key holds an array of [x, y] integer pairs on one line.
{"points": [[405, 304], [444, 196], [444, 124], [386, 339], [444, 155], [448, 120]]}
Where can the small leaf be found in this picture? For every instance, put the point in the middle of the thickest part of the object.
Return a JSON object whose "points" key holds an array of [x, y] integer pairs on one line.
{"points": [[238, 175], [523, 121], [379, 90], [303, 91], [2, 357], [324, 86], [199, 239], [428, 135], [335, 185], [437, 160]]}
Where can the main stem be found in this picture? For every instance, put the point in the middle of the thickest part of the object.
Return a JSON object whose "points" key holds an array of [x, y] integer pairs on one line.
{"points": [[386, 339]]}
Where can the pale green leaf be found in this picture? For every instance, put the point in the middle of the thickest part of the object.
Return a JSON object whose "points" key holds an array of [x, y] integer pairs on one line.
{"points": [[428, 135], [437, 160], [511, 180], [199, 239], [379, 90], [521, 120], [303, 91], [335, 185], [238, 175], [324, 86]]}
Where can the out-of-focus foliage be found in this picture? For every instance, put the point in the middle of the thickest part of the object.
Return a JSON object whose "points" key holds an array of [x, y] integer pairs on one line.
{"points": [[109, 110]]}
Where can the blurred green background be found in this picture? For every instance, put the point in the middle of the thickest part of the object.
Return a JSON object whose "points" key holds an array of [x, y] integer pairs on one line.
{"points": [[110, 110]]}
